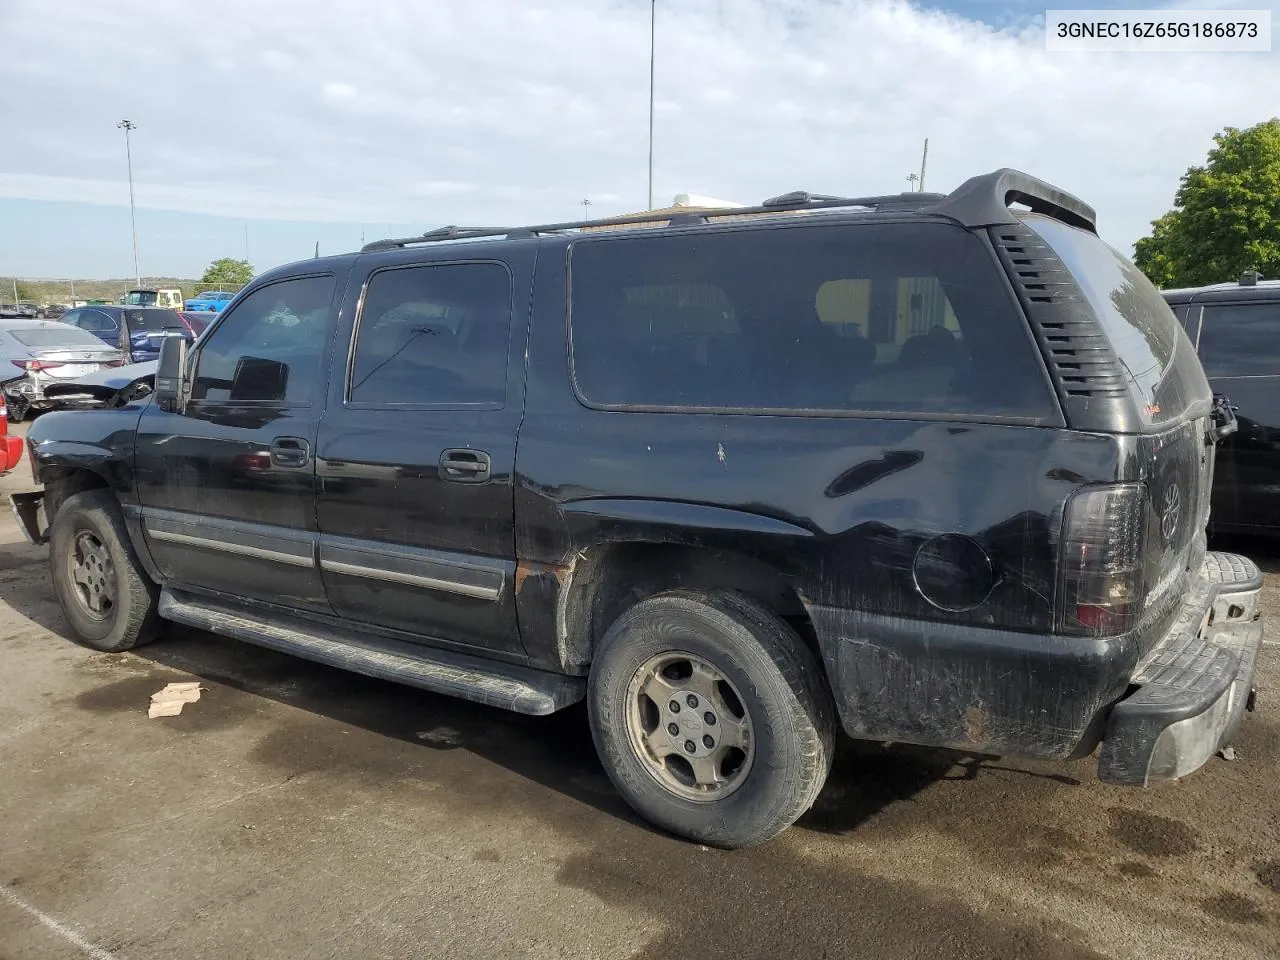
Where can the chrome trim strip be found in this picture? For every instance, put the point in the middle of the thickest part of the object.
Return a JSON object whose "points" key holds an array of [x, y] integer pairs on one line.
{"points": [[227, 547], [431, 583]]}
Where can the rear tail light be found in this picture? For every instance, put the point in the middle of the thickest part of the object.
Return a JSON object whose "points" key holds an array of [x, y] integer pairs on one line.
{"points": [[35, 366], [1103, 577]]}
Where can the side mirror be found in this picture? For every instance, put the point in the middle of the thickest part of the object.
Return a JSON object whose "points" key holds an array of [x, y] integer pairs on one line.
{"points": [[171, 370]]}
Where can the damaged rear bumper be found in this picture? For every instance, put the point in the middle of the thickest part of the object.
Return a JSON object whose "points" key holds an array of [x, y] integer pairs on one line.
{"points": [[1192, 688]]}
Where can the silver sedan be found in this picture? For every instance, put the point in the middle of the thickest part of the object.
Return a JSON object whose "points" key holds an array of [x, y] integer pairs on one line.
{"points": [[36, 353]]}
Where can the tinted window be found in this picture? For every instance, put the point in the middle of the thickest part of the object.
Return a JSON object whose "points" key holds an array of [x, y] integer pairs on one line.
{"points": [[95, 321], [56, 335], [1240, 339], [1138, 322], [433, 334], [906, 318], [157, 319], [269, 347]]}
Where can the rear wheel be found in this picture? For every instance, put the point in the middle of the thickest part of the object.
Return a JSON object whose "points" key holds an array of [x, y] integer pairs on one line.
{"points": [[712, 717], [104, 593], [18, 409]]}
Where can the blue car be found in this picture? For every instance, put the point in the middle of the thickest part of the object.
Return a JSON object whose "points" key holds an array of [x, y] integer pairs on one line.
{"points": [[135, 330], [212, 301]]}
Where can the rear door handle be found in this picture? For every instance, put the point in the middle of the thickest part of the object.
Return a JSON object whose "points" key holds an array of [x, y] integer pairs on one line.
{"points": [[290, 452], [465, 466]]}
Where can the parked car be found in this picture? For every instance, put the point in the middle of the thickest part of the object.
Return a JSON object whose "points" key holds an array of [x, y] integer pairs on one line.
{"points": [[134, 330], [924, 467], [1235, 328], [52, 311], [211, 301], [10, 445], [42, 352], [168, 297], [17, 311]]}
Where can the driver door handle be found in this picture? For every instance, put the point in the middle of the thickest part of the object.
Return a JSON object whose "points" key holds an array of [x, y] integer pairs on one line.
{"points": [[291, 452], [465, 466]]}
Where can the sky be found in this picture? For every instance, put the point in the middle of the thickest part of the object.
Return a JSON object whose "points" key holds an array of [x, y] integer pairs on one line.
{"points": [[280, 124]]}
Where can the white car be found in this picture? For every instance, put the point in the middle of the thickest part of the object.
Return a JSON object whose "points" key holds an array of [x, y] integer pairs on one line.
{"points": [[36, 353]]}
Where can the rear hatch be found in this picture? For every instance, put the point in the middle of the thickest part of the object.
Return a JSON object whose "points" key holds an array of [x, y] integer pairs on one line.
{"points": [[147, 330], [1169, 450]]}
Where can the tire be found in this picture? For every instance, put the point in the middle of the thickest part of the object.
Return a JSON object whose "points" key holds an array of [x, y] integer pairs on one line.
{"points": [[780, 692], [18, 409], [125, 596]]}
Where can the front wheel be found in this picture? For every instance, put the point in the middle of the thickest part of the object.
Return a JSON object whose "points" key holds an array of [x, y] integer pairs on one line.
{"points": [[103, 591], [711, 716]]}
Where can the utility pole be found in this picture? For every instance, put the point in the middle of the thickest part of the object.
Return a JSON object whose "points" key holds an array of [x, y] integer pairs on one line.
{"points": [[653, 22], [911, 179], [246, 241], [586, 213], [924, 158], [128, 125]]}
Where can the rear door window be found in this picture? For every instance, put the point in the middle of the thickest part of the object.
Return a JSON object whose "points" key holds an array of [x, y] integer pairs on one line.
{"points": [[153, 320], [433, 334], [1240, 339], [910, 319]]}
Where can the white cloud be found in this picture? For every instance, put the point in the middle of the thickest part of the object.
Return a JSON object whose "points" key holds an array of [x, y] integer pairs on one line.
{"points": [[492, 111]]}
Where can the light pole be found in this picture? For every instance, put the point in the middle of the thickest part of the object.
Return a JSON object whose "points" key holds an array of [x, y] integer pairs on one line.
{"points": [[586, 213], [126, 126], [911, 179], [653, 22]]}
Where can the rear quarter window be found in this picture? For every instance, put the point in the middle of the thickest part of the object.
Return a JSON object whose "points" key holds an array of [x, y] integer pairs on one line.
{"points": [[1165, 378], [875, 318]]}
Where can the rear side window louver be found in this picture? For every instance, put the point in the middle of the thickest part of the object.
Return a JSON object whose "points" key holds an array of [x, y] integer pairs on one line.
{"points": [[1084, 367]]}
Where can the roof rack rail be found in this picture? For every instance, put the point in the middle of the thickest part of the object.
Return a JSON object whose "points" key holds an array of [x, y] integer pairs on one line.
{"points": [[983, 201], [799, 200]]}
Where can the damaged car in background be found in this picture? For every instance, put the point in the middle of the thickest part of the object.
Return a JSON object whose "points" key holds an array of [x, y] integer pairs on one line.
{"points": [[36, 355], [108, 387]]}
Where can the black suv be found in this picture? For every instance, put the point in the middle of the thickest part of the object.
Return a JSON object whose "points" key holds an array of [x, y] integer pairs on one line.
{"points": [[1235, 327], [924, 467]]}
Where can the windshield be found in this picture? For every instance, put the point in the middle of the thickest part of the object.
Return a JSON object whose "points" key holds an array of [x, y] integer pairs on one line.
{"points": [[141, 298], [61, 335]]}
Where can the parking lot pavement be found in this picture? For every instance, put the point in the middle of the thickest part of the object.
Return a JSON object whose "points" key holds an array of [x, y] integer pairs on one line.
{"points": [[296, 811]]}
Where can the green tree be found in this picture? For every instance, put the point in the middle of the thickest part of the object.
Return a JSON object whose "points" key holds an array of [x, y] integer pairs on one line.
{"points": [[228, 272], [1226, 216]]}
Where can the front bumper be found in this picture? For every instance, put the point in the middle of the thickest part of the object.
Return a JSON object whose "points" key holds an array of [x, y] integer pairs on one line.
{"points": [[28, 510], [1192, 688]]}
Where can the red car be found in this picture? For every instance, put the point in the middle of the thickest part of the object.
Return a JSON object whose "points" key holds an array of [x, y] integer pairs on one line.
{"points": [[10, 445]]}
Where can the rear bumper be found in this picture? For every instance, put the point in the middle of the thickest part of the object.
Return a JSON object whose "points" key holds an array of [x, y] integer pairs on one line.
{"points": [[1192, 688], [1005, 693]]}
